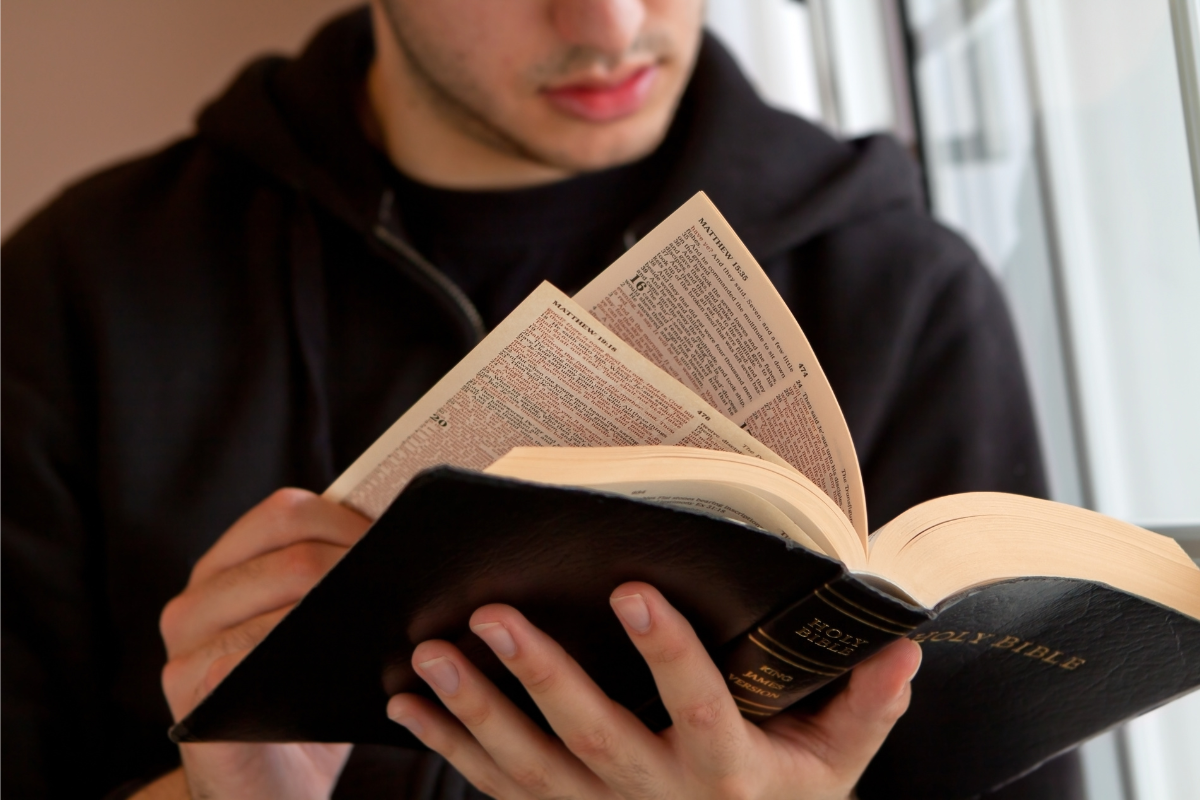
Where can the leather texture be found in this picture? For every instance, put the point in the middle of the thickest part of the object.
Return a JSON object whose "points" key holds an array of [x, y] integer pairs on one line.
{"points": [[983, 714], [1013, 673], [812, 643], [454, 541]]}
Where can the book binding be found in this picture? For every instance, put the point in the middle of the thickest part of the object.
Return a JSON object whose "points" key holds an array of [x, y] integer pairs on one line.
{"points": [[813, 642]]}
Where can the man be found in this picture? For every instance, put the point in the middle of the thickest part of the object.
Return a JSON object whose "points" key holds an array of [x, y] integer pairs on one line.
{"points": [[251, 307]]}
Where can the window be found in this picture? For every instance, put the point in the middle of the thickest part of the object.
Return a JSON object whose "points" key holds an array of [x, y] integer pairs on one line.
{"points": [[1062, 138]]}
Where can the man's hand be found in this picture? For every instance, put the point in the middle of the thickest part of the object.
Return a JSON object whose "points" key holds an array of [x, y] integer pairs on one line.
{"points": [[259, 568], [603, 751]]}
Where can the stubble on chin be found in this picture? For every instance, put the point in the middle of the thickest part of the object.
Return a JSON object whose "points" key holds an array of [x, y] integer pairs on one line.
{"points": [[449, 90], [454, 93]]}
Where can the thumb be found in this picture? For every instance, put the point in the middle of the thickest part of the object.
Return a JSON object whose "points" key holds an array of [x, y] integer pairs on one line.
{"points": [[855, 723]]}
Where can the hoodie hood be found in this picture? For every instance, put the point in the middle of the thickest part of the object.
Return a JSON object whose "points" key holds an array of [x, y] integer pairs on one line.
{"points": [[187, 332], [780, 180], [296, 120]]}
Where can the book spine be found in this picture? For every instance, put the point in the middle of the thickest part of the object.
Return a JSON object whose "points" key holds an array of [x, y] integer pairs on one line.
{"points": [[794, 653]]}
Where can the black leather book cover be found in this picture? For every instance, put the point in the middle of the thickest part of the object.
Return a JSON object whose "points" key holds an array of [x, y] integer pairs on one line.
{"points": [[1012, 674], [1017, 672], [455, 540]]}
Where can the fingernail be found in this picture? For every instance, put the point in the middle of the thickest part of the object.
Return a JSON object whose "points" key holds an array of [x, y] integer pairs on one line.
{"points": [[920, 658], [442, 673], [414, 727], [633, 610], [497, 637], [396, 711]]}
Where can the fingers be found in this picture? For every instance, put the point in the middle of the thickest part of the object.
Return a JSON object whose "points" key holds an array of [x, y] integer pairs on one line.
{"points": [[708, 725], [846, 734], [877, 696], [604, 751], [259, 568], [447, 737], [286, 517], [492, 742], [265, 583], [187, 678], [604, 736]]}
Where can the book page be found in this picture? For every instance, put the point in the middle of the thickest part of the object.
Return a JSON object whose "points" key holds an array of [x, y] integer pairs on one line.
{"points": [[691, 298], [549, 375], [732, 479], [719, 499]]}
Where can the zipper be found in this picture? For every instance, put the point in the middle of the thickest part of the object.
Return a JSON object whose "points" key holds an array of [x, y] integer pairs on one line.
{"points": [[468, 313]]}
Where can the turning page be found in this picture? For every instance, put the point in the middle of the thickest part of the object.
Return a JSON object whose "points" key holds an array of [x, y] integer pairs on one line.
{"points": [[549, 375], [691, 299]]}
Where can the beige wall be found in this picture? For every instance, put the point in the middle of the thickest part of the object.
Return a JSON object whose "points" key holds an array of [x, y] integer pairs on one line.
{"points": [[89, 82]]}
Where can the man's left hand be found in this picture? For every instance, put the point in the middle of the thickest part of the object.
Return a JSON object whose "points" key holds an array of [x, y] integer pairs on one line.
{"points": [[603, 751]]}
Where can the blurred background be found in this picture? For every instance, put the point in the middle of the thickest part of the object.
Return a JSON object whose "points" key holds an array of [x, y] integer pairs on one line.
{"points": [[1061, 137]]}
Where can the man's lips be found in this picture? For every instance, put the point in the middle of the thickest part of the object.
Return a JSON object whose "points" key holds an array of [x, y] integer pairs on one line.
{"points": [[601, 102]]}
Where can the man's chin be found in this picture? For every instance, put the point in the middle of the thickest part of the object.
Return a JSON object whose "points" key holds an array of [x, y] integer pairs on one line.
{"points": [[592, 147]]}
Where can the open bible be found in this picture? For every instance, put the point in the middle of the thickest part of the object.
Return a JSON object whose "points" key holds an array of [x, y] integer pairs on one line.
{"points": [[670, 423]]}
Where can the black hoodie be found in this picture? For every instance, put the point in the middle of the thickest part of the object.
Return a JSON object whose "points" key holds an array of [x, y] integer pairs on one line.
{"points": [[185, 333]]}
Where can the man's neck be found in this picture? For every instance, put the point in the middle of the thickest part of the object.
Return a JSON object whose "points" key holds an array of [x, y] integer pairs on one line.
{"points": [[403, 118]]}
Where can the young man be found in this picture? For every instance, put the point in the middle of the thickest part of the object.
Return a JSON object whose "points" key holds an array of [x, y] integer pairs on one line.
{"points": [[251, 307]]}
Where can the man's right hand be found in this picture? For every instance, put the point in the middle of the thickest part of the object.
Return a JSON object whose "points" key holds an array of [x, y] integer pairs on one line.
{"points": [[238, 591]]}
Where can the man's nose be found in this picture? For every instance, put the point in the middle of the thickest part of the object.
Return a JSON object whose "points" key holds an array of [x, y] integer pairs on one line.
{"points": [[609, 26]]}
